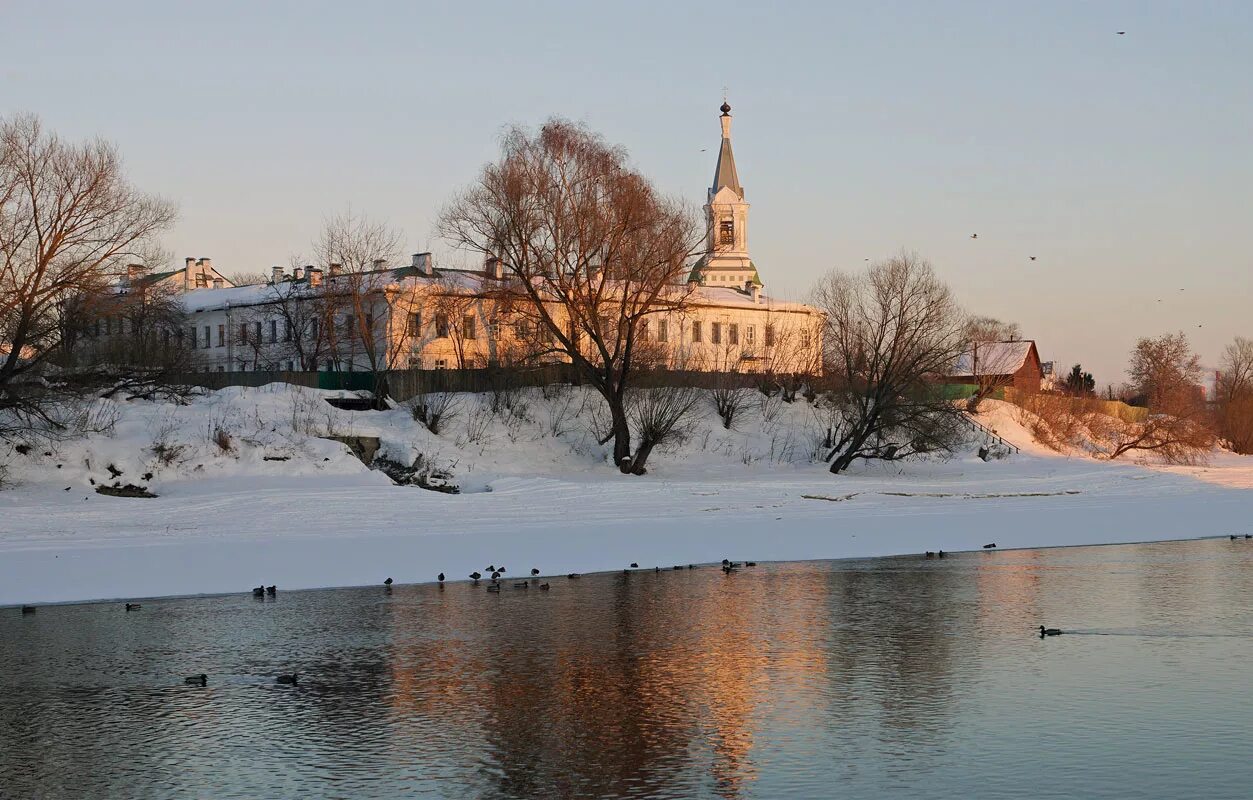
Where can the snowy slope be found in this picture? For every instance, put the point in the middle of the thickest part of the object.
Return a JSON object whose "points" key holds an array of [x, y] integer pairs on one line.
{"points": [[537, 491]]}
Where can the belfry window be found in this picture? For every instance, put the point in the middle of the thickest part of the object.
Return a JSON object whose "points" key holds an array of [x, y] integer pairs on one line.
{"points": [[726, 232]]}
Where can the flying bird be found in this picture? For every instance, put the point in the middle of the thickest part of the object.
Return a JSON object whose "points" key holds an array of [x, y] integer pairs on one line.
{"points": [[1122, 33], [1031, 257], [974, 236]]}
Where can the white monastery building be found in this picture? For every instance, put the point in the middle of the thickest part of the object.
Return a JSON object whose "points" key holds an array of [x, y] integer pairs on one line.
{"points": [[420, 316]]}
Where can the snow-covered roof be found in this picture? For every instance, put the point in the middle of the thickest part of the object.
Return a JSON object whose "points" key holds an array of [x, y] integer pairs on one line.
{"points": [[993, 358], [469, 281], [209, 299]]}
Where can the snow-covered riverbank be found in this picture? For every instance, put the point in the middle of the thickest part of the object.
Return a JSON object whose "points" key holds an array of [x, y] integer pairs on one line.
{"points": [[225, 522]]}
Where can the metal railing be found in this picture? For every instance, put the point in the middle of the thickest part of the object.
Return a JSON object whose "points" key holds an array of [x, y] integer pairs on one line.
{"points": [[992, 436]]}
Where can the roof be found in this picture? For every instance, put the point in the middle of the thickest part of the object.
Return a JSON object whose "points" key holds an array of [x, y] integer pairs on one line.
{"points": [[994, 358], [724, 174], [467, 280]]}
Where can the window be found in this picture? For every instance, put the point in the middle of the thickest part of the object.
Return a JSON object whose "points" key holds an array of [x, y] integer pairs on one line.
{"points": [[414, 362], [273, 330], [750, 335], [467, 326], [663, 335], [96, 328], [350, 326], [415, 323], [804, 338], [287, 332], [208, 337], [243, 333], [291, 365], [441, 363], [493, 329], [715, 332], [441, 326], [726, 232], [769, 336], [256, 332], [369, 321], [313, 329], [733, 333], [695, 330], [330, 366], [643, 330], [192, 338], [521, 330], [108, 325], [221, 368], [165, 337]]}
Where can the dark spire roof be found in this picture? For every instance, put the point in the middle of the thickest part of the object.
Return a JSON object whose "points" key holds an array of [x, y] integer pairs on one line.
{"points": [[725, 174]]}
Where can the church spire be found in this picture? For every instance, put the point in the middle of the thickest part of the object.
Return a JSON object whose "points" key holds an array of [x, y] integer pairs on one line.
{"points": [[724, 174], [726, 262]]}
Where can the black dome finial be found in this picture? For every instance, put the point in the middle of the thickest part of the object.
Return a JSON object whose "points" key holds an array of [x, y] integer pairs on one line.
{"points": [[726, 108]]}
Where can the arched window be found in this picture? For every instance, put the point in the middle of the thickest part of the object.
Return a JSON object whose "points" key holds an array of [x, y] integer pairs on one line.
{"points": [[726, 232]]}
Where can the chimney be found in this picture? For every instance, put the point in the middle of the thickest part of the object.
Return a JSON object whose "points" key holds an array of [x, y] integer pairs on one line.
{"points": [[188, 264], [205, 263], [134, 272], [379, 263], [315, 276], [297, 273], [218, 283], [423, 262], [333, 270], [756, 292], [276, 274], [494, 268]]}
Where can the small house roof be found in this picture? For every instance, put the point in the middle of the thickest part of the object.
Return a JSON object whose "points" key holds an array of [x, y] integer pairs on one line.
{"points": [[993, 358]]}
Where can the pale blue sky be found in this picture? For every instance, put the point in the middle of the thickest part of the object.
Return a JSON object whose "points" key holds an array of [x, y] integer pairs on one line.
{"points": [[1124, 163]]}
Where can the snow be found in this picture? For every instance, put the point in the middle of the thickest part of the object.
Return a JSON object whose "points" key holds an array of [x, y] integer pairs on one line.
{"points": [[537, 491]]}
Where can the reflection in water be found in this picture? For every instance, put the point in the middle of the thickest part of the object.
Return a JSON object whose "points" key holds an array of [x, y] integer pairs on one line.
{"points": [[899, 676]]}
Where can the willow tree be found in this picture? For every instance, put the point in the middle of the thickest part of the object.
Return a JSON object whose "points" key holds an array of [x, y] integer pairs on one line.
{"points": [[591, 250], [69, 222]]}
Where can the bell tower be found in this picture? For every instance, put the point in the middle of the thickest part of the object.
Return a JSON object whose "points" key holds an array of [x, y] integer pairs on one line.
{"points": [[726, 262]]}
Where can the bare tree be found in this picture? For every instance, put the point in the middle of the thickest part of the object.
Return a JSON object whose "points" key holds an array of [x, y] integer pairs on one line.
{"points": [[892, 331], [248, 278], [1234, 395], [460, 317], [990, 362], [303, 310], [661, 414], [69, 220], [130, 341], [730, 396], [592, 249], [1166, 373], [355, 253]]}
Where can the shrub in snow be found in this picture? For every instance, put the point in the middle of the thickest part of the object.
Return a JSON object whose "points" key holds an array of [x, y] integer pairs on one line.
{"points": [[434, 409]]}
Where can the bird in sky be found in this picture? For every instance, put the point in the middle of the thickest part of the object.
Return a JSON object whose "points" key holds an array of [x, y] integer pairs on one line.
{"points": [[974, 236], [1122, 33], [1031, 257]]}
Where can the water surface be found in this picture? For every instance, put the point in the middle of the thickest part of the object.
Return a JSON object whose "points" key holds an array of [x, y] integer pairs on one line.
{"points": [[897, 677]]}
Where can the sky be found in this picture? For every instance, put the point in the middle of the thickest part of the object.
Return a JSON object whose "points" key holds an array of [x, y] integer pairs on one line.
{"points": [[1123, 163]]}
